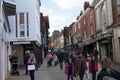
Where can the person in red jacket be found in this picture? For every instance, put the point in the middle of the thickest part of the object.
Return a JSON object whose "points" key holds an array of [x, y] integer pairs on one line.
{"points": [[93, 67], [69, 69]]}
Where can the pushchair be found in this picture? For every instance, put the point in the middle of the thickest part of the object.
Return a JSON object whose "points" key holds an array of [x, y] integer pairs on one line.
{"points": [[14, 65]]}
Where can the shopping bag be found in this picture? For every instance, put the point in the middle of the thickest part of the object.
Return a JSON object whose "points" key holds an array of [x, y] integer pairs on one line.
{"points": [[87, 75], [31, 67]]}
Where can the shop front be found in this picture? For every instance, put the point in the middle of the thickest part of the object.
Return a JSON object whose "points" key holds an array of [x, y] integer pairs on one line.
{"points": [[20, 47], [89, 45], [105, 47]]}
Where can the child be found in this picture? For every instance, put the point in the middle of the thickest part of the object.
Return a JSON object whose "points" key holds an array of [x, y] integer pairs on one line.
{"points": [[69, 69], [93, 67]]}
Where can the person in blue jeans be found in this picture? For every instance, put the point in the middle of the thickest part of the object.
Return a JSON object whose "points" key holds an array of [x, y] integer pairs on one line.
{"points": [[93, 67], [69, 69]]}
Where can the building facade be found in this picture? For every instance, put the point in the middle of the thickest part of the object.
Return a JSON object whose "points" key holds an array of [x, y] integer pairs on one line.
{"points": [[116, 30], [7, 8], [104, 22], [26, 29], [44, 34]]}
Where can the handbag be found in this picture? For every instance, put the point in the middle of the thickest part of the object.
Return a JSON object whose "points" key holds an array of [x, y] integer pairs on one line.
{"points": [[31, 67]]}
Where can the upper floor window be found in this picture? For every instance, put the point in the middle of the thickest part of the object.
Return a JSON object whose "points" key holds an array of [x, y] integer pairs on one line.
{"points": [[27, 24], [84, 21], [85, 34], [5, 27], [91, 30], [118, 6], [91, 14], [75, 28], [78, 25], [22, 25], [16, 26], [103, 17]]}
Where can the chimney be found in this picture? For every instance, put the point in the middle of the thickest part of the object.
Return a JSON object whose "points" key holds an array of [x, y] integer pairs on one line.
{"points": [[86, 5]]}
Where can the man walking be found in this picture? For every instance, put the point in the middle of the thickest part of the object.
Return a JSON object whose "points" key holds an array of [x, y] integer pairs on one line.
{"points": [[26, 57], [95, 53]]}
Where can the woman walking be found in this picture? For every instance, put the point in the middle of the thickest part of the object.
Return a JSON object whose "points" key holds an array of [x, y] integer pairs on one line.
{"points": [[55, 59], [69, 69], [93, 67], [32, 61]]}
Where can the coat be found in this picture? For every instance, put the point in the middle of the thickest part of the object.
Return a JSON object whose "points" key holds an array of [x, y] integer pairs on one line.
{"points": [[95, 66], [80, 64], [66, 68]]}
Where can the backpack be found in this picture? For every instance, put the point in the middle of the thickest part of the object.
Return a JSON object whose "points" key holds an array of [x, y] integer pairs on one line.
{"points": [[114, 75], [108, 78]]}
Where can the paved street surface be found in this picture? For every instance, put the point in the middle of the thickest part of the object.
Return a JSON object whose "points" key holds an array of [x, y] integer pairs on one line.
{"points": [[44, 73]]}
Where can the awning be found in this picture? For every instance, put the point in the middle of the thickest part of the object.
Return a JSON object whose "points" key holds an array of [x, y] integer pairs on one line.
{"points": [[89, 42]]}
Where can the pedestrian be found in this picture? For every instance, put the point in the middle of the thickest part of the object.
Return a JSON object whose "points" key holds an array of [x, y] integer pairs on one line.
{"points": [[66, 55], [93, 67], [26, 58], [81, 66], [107, 72], [73, 57], [95, 53], [32, 61], [49, 59], [69, 69], [61, 59], [55, 59]]}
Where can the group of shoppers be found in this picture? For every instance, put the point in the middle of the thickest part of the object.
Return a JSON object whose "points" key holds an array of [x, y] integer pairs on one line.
{"points": [[76, 65]]}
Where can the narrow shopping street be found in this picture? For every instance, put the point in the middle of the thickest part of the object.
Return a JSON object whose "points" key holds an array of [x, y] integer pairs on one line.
{"points": [[83, 33], [45, 73]]}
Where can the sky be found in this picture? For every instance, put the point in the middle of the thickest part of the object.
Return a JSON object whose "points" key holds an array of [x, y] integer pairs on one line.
{"points": [[61, 13]]}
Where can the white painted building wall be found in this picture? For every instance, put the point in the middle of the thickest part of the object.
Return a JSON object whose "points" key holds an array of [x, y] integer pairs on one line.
{"points": [[104, 19], [108, 12], [32, 8], [5, 48]]}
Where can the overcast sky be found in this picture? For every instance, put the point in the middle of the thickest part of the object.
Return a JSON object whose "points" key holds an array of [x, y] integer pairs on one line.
{"points": [[61, 13]]}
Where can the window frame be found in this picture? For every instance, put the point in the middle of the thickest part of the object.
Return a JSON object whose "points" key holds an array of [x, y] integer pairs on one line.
{"points": [[118, 6]]}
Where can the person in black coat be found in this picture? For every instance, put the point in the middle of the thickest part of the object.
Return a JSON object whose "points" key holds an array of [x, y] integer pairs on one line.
{"points": [[61, 59], [26, 58], [95, 53]]}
